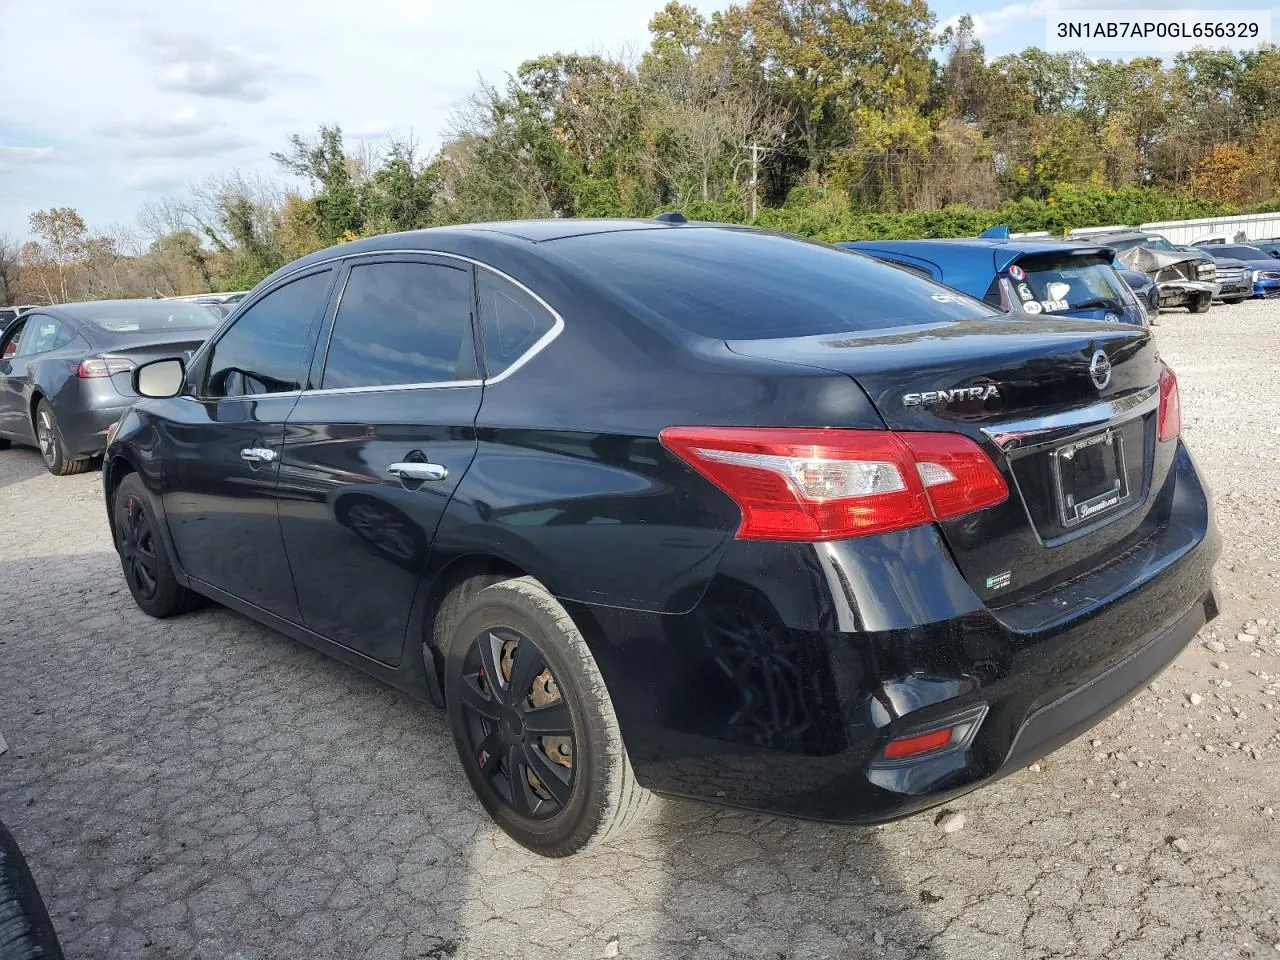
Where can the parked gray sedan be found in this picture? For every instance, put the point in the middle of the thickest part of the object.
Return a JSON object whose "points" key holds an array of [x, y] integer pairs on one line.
{"points": [[66, 372]]}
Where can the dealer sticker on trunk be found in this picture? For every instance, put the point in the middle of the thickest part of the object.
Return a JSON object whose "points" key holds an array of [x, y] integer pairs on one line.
{"points": [[1000, 580]]}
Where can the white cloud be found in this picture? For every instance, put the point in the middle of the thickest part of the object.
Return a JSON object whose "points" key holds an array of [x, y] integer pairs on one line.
{"points": [[168, 93], [185, 122], [11, 157], [193, 65]]}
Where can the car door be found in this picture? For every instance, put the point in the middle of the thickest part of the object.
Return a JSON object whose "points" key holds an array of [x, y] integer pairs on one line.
{"points": [[223, 442], [373, 454], [39, 337], [11, 409]]}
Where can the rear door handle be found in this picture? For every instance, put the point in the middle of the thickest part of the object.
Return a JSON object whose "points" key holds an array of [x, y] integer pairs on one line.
{"points": [[418, 471], [258, 454]]}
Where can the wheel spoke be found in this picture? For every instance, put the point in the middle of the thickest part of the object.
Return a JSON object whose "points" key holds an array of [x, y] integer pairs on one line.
{"points": [[492, 672], [517, 775], [528, 664], [553, 720], [549, 773], [477, 701], [489, 754]]}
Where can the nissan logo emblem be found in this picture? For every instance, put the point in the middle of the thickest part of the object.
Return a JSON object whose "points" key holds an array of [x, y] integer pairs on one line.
{"points": [[1100, 370]]}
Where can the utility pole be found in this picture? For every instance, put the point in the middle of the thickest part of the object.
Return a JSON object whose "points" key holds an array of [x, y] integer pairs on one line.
{"points": [[755, 176]]}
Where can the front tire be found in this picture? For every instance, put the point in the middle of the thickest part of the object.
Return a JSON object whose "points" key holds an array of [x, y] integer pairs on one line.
{"points": [[1234, 300], [143, 559], [533, 723], [1202, 303], [52, 447]]}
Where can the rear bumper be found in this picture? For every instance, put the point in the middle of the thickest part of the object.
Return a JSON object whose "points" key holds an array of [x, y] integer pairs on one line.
{"points": [[779, 691], [84, 430]]}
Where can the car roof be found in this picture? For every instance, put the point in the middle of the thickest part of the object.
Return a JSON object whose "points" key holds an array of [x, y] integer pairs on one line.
{"points": [[493, 242]]}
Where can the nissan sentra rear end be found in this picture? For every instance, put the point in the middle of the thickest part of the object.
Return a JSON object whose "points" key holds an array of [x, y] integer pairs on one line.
{"points": [[992, 546]]}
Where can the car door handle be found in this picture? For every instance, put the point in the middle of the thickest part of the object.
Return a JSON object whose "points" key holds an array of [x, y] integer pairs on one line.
{"points": [[418, 471], [258, 454]]}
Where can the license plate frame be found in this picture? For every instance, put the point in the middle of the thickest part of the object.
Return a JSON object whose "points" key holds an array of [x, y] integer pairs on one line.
{"points": [[1095, 504]]}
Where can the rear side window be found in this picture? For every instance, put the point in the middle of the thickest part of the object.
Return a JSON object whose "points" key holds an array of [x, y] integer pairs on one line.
{"points": [[402, 323], [43, 334], [512, 320], [742, 285], [266, 350]]}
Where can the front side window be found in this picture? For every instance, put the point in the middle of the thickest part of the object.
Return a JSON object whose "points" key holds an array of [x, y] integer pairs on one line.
{"points": [[513, 322], [402, 323], [266, 351]]}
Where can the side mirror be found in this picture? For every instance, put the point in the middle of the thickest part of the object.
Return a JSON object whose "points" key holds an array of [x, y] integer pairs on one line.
{"points": [[160, 378]]}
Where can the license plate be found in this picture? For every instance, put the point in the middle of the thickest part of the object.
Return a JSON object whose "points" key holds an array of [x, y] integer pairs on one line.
{"points": [[1090, 478]]}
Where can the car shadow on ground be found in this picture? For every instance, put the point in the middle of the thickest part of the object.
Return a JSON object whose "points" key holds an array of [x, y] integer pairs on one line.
{"points": [[23, 463], [205, 787]]}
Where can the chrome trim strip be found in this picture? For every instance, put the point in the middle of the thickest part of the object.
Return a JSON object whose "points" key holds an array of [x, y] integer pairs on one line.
{"points": [[383, 388], [542, 343], [1018, 436]]}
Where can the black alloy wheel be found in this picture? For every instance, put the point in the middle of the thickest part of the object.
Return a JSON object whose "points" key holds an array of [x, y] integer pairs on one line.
{"points": [[518, 726], [532, 719], [136, 544], [143, 558]]}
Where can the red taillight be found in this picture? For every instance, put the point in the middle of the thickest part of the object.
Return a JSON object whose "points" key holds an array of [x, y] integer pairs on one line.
{"points": [[828, 484], [96, 367], [1170, 405], [911, 746]]}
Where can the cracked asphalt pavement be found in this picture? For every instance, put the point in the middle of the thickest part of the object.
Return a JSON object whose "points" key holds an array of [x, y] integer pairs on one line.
{"points": [[206, 788]]}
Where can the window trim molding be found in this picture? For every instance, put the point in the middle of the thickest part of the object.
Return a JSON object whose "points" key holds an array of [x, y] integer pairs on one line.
{"points": [[557, 326]]}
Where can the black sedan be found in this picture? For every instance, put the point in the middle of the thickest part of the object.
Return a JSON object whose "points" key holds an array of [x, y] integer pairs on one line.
{"points": [[66, 371], [682, 509]]}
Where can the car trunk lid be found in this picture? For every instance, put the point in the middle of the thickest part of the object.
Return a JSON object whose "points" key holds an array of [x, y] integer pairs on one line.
{"points": [[1065, 409], [143, 348]]}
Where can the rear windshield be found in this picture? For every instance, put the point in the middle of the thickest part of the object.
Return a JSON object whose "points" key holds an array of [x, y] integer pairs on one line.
{"points": [[144, 316], [1070, 283], [740, 285]]}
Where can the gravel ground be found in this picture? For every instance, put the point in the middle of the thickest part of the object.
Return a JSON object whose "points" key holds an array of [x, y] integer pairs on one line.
{"points": [[207, 788]]}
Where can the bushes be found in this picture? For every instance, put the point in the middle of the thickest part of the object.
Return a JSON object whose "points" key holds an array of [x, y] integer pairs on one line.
{"points": [[827, 215]]}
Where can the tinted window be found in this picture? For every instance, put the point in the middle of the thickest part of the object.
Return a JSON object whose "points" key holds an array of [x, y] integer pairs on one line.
{"points": [[42, 334], [734, 284], [513, 321], [1079, 283], [266, 350], [402, 323], [1239, 252], [145, 316]]}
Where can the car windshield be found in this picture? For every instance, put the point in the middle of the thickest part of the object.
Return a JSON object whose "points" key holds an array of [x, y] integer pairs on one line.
{"points": [[1151, 243], [145, 316], [1071, 282], [745, 285], [1239, 252]]}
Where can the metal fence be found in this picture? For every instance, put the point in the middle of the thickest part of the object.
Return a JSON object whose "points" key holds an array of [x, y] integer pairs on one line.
{"points": [[1246, 227]]}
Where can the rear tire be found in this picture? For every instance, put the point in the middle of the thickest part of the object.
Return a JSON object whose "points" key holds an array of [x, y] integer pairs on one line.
{"points": [[25, 927], [5, 444], [52, 447], [1202, 303], [536, 653], [143, 558]]}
